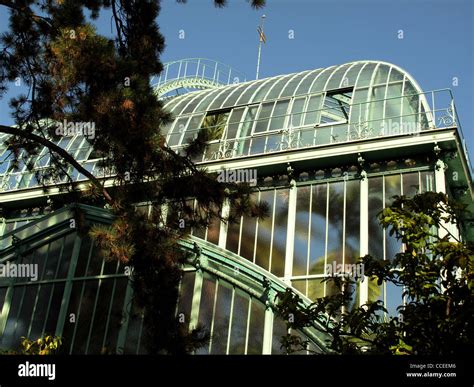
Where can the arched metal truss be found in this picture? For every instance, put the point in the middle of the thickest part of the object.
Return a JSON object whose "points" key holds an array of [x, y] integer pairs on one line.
{"points": [[192, 74]]}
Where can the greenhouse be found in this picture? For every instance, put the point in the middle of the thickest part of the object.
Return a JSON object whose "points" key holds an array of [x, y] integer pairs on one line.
{"points": [[329, 147]]}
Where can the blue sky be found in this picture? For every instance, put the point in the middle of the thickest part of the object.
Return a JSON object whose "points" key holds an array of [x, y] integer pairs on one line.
{"points": [[437, 42]]}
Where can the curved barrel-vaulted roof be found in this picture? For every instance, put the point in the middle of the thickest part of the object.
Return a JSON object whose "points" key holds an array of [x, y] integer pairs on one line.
{"points": [[315, 107], [348, 102]]}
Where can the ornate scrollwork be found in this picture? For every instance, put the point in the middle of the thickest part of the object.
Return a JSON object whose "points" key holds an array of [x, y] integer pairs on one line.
{"points": [[225, 151], [290, 140], [447, 119], [361, 131]]}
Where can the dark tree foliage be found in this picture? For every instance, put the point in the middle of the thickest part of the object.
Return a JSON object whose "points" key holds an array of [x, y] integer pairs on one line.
{"points": [[72, 73], [437, 277]]}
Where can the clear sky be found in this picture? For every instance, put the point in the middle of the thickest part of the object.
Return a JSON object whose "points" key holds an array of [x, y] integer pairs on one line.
{"points": [[437, 42]]}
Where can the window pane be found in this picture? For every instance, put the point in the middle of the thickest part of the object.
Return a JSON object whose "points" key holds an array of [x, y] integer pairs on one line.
{"points": [[221, 319], [279, 115], [280, 232], [263, 117], [297, 112], [318, 229], [335, 225], [313, 110], [300, 254], [262, 257], [257, 318], [239, 324]]}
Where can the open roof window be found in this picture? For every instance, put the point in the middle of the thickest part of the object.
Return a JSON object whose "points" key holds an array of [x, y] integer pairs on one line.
{"points": [[336, 106], [214, 123]]}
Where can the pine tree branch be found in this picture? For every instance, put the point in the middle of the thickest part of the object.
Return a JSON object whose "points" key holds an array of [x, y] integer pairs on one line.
{"points": [[37, 18], [61, 152]]}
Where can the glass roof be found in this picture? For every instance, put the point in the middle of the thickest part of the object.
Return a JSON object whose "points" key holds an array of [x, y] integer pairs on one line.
{"points": [[347, 102], [355, 74]]}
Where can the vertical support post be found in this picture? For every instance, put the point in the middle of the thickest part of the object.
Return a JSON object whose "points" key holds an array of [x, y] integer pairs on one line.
{"points": [[196, 301], [268, 331], [290, 235], [224, 225], [364, 234]]}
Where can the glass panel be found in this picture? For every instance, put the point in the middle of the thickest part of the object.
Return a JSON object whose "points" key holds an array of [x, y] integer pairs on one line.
{"points": [[9, 340], [185, 298], [234, 122], [277, 87], [221, 319], [206, 307], [393, 106], [395, 75], [350, 77], [279, 232], [279, 115], [23, 321], [366, 75], [335, 225], [279, 330], [192, 129], [375, 206], [320, 82], [54, 308], [41, 308], [381, 74], [313, 110], [116, 315], [53, 259], [318, 229], [336, 77], [297, 112], [246, 128], [83, 318], [262, 256], [352, 226], [411, 184], [134, 330], [300, 254], [239, 324], [303, 87], [257, 318], [100, 318], [410, 109], [290, 87], [248, 92], [231, 101], [233, 233], [315, 288], [263, 117], [376, 109], [248, 234], [66, 255], [178, 130], [392, 188]]}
